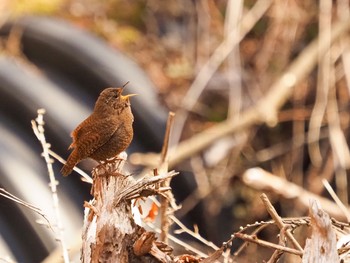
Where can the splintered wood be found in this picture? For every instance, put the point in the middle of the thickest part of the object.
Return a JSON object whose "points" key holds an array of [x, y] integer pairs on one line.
{"points": [[321, 247], [107, 221], [110, 233]]}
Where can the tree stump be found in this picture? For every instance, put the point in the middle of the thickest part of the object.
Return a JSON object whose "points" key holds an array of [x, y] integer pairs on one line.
{"points": [[110, 233]]}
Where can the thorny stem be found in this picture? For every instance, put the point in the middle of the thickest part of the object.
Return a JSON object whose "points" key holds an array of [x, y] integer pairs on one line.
{"points": [[38, 128]]}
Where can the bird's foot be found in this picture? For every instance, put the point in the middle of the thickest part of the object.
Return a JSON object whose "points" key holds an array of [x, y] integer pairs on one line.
{"points": [[110, 164], [113, 160]]}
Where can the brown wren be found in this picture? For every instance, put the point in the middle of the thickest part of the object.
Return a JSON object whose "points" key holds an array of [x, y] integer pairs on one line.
{"points": [[105, 133]]}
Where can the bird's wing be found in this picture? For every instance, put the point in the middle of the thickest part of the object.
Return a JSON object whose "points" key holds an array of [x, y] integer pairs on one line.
{"points": [[76, 134], [89, 136]]}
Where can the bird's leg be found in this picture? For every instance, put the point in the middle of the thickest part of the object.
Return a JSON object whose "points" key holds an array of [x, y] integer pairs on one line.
{"points": [[108, 162], [113, 159], [102, 165]]}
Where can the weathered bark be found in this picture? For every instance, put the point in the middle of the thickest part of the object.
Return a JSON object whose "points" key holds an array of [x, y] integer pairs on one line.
{"points": [[108, 224], [321, 247], [110, 232]]}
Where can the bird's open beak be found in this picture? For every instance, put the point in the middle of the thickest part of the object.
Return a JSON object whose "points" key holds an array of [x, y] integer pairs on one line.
{"points": [[126, 97]]}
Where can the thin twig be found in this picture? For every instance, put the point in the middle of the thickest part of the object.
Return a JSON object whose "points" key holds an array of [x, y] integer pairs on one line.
{"points": [[135, 189], [187, 230], [19, 201], [169, 125], [167, 197], [194, 234], [295, 222], [246, 243], [254, 239], [179, 242], [336, 199], [273, 213], [278, 253], [38, 128], [86, 177]]}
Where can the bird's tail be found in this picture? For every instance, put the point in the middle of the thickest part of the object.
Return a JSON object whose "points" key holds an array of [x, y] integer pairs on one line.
{"points": [[72, 160]]}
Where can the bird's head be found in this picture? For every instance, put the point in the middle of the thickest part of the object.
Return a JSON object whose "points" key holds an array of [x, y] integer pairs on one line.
{"points": [[112, 99]]}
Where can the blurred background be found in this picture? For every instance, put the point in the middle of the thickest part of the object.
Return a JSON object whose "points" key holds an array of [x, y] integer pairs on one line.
{"points": [[220, 66]]}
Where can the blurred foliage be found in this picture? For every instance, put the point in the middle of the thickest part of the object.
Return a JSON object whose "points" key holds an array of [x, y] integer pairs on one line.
{"points": [[42, 7], [127, 12]]}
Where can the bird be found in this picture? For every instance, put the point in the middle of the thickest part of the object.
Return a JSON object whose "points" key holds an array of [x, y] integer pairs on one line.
{"points": [[105, 133]]}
